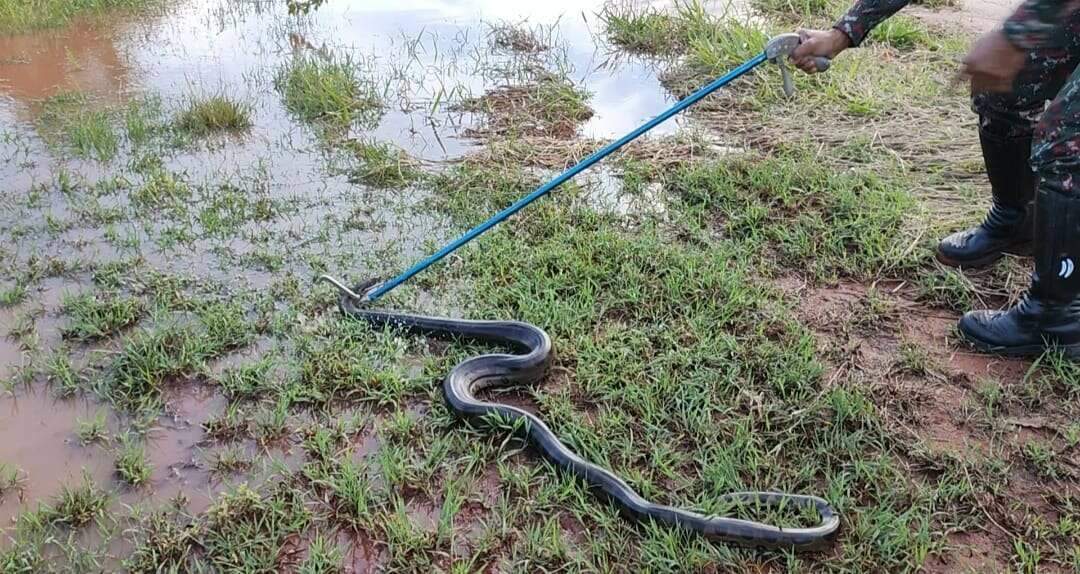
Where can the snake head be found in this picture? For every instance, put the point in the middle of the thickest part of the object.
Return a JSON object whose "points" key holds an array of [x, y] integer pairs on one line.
{"points": [[358, 293]]}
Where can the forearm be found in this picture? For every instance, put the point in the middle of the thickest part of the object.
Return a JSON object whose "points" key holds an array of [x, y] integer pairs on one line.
{"points": [[864, 15], [1041, 24]]}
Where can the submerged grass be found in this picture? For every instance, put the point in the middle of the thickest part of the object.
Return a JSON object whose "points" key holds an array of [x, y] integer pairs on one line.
{"points": [[334, 91], [217, 113], [98, 315], [72, 119], [382, 164]]}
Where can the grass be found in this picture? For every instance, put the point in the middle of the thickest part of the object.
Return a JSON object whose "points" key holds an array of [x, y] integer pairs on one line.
{"points": [[12, 479], [230, 460], [646, 29], [99, 315], [816, 219], [79, 505], [62, 376], [382, 164], [244, 531], [324, 557], [25, 15], [11, 295], [132, 465], [334, 91], [550, 107], [214, 114], [519, 37], [686, 361], [798, 8], [903, 33], [72, 119], [94, 430], [151, 358]]}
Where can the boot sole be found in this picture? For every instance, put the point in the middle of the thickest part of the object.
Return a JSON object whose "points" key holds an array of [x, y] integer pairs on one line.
{"points": [[1025, 351], [1018, 250]]}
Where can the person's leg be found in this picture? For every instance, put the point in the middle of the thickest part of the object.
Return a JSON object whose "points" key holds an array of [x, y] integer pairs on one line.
{"points": [[1006, 124], [1049, 314]]}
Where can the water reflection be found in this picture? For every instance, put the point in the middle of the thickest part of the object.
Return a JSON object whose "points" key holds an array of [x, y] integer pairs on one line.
{"points": [[80, 57]]}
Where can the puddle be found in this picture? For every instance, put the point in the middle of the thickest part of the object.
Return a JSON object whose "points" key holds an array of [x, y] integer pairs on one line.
{"points": [[80, 57], [425, 55], [40, 440]]}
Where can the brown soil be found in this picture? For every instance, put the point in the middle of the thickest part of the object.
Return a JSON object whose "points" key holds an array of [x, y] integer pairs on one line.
{"points": [[977, 16], [938, 406]]}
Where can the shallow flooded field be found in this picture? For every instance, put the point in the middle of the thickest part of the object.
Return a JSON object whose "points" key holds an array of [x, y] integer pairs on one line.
{"points": [[743, 300]]}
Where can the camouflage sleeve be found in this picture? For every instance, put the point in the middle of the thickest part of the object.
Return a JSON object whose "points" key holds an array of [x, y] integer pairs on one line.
{"points": [[864, 15], [1041, 24]]}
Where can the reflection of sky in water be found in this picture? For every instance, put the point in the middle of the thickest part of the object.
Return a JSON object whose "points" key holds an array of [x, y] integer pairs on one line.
{"points": [[420, 50]]}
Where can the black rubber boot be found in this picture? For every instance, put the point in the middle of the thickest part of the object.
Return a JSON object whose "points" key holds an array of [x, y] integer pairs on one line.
{"points": [[1007, 228], [1049, 313]]}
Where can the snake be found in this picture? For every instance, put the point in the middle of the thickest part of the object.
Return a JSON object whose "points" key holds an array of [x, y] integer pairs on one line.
{"points": [[529, 364]]}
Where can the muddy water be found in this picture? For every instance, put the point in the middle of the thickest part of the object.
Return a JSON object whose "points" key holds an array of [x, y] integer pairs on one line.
{"points": [[425, 54], [40, 438]]}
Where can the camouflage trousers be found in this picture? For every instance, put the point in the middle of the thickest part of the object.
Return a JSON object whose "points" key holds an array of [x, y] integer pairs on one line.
{"points": [[1048, 76]]}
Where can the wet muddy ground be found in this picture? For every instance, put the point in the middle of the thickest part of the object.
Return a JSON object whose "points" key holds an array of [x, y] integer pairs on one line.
{"points": [[424, 59], [163, 339]]}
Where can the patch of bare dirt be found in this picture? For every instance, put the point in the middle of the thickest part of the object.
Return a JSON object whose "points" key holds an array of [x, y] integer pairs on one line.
{"points": [[976, 16], [929, 387], [972, 552]]}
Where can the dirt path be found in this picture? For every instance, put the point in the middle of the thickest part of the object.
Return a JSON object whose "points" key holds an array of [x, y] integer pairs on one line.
{"points": [[975, 15]]}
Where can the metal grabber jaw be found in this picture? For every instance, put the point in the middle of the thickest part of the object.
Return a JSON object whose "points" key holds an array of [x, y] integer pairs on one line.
{"points": [[779, 50], [361, 293]]}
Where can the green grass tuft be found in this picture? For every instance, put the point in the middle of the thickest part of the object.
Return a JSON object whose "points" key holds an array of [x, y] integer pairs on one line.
{"points": [[12, 295], [643, 30], [324, 557], [214, 114], [99, 315], [78, 506], [382, 164], [334, 91], [73, 119], [149, 359], [132, 465], [903, 33], [95, 430], [244, 531]]}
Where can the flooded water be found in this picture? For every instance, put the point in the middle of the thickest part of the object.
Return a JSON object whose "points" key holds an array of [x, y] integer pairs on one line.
{"points": [[418, 50], [425, 55], [41, 440]]}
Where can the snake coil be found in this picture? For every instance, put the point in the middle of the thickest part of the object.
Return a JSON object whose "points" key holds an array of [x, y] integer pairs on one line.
{"points": [[531, 365]]}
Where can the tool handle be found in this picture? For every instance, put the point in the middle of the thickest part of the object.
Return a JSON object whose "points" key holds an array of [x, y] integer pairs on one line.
{"points": [[821, 64]]}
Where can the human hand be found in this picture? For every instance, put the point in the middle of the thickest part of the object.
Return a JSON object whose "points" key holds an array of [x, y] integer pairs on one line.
{"points": [[818, 44], [993, 63]]}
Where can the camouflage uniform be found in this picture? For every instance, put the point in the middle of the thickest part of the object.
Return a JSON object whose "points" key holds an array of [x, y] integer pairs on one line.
{"points": [[1049, 30]]}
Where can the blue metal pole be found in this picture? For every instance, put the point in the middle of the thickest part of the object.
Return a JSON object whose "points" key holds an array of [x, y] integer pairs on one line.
{"points": [[566, 175]]}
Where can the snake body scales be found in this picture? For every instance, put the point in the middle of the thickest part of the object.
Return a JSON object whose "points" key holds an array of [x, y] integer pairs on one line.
{"points": [[530, 365]]}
